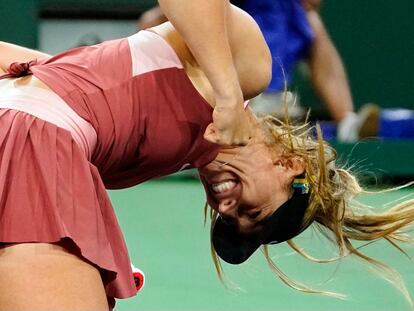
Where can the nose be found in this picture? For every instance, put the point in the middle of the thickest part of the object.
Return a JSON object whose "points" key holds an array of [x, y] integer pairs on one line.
{"points": [[228, 208]]}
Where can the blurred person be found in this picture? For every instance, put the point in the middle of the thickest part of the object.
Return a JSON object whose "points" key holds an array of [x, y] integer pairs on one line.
{"points": [[294, 31]]}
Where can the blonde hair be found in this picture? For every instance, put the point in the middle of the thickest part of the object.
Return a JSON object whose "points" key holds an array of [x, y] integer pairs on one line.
{"points": [[333, 206]]}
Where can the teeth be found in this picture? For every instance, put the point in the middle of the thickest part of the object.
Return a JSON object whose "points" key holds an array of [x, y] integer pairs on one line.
{"points": [[223, 186]]}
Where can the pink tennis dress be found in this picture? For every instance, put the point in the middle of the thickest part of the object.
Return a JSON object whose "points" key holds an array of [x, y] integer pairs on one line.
{"points": [[120, 113]]}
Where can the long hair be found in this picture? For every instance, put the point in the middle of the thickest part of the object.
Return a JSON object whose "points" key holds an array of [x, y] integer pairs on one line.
{"points": [[334, 208]]}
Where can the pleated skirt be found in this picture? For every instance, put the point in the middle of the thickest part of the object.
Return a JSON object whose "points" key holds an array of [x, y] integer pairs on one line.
{"points": [[49, 191]]}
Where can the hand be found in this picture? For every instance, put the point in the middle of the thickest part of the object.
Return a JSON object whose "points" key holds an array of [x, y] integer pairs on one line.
{"points": [[231, 125]]}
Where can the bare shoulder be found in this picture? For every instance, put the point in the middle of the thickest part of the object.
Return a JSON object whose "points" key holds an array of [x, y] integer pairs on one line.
{"points": [[250, 52], [165, 29], [190, 65], [175, 40]]}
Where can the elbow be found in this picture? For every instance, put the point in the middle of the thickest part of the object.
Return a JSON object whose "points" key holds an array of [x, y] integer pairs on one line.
{"points": [[261, 74], [266, 69]]}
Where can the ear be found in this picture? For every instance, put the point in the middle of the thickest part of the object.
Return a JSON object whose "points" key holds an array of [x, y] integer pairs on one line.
{"points": [[295, 166]]}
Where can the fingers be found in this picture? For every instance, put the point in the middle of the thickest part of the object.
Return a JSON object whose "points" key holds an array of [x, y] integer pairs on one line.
{"points": [[224, 138]]}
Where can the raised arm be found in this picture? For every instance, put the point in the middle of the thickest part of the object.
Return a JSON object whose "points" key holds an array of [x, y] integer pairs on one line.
{"points": [[203, 25], [10, 53]]}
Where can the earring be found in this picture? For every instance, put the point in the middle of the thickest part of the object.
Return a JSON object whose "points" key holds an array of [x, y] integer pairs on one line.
{"points": [[302, 184]]}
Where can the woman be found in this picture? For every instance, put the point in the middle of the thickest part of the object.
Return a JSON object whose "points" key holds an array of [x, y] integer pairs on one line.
{"points": [[125, 111], [111, 115]]}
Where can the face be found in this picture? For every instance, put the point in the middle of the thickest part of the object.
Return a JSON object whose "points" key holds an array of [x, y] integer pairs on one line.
{"points": [[247, 184]]}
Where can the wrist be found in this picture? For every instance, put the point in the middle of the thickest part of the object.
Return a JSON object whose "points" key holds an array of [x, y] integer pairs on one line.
{"points": [[229, 97], [226, 84]]}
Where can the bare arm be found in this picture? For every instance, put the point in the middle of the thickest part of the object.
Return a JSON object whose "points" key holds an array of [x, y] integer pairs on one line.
{"points": [[10, 53], [203, 26], [327, 71]]}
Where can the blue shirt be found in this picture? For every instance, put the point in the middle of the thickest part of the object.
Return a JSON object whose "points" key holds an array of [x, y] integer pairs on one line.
{"points": [[287, 32]]}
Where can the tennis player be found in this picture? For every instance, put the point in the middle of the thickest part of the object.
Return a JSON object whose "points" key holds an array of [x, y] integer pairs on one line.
{"points": [[116, 114]]}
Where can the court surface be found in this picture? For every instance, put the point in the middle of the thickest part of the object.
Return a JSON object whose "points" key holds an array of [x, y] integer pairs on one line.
{"points": [[163, 225]]}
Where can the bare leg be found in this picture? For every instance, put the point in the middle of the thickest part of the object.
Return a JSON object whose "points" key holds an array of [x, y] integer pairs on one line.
{"points": [[41, 276]]}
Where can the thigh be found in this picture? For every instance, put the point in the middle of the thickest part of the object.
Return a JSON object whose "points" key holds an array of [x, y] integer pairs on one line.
{"points": [[41, 276]]}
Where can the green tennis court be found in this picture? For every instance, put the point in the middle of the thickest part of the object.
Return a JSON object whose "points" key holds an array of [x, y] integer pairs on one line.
{"points": [[163, 224]]}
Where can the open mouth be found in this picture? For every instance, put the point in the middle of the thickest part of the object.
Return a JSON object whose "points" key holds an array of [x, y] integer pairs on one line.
{"points": [[220, 184], [224, 189], [223, 186]]}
